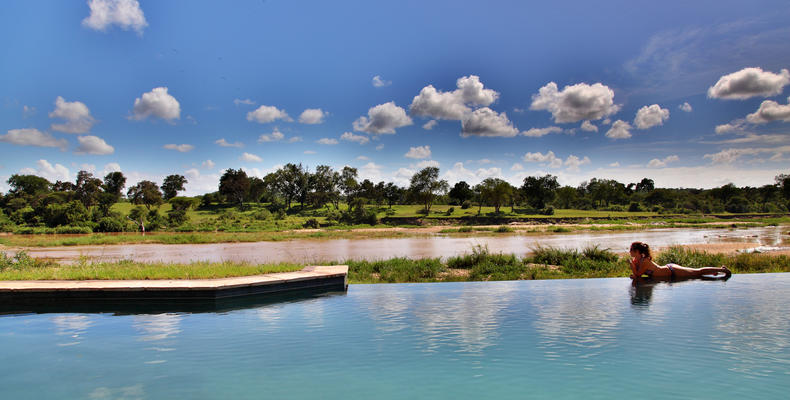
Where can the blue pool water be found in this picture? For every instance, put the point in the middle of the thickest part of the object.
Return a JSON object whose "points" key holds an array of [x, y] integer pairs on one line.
{"points": [[596, 338]]}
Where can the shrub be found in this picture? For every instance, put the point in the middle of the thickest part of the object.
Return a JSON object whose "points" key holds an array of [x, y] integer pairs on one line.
{"points": [[423, 211], [450, 210], [311, 223], [548, 211], [176, 217], [504, 229], [634, 207], [262, 215], [466, 204]]}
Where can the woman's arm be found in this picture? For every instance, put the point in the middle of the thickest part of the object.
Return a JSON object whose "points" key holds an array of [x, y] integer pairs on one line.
{"points": [[633, 268], [641, 267]]}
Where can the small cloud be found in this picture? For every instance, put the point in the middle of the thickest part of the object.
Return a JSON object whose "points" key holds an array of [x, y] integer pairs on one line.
{"points": [[770, 111], [224, 143], [572, 163], [309, 152], [380, 147], [575, 103], [419, 152], [350, 137], [46, 170], [33, 137], [76, 114], [246, 102], [156, 103], [363, 158], [656, 163], [615, 164], [312, 116], [295, 139], [425, 164], [519, 110], [749, 82], [378, 82], [517, 167], [686, 107], [111, 167], [589, 127], [126, 14], [248, 157], [328, 141], [430, 125], [437, 104], [208, 164], [619, 130], [266, 114], [735, 126], [487, 122], [28, 111], [93, 145], [275, 136], [183, 148], [538, 132], [383, 118], [650, 116]]}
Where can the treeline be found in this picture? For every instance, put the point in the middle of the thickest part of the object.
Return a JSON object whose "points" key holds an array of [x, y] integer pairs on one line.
{"points": [[86, 205]]}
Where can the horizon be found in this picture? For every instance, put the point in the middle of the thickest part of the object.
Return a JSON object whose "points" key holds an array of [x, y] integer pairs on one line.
{"points": [[696, 99]]}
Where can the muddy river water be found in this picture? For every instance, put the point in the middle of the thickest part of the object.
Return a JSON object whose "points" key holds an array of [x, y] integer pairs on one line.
{"points": [[314, 251]]}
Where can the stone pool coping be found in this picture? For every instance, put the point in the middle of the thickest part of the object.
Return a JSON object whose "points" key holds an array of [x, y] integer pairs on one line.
{"points": [[333, 277]]}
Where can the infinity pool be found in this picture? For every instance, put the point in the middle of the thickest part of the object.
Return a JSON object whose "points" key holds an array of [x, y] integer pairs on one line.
{"points": [[596, 338]]}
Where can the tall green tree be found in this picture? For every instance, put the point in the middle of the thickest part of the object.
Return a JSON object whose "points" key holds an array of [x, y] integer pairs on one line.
{"points": [[88, 188], [325, 186], [28, 184], [146, 193], [496, 192], [172, 185], [234, 185], [348, 184], [539, 190], [426, 185], [114, 183], [461, 192]]}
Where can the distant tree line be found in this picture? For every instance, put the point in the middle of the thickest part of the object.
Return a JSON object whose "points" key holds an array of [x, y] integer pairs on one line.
{"points": [[86, 204]]}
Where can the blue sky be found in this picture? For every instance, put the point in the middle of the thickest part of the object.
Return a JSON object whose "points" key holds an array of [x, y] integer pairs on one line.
{"points": [[689, 94]]}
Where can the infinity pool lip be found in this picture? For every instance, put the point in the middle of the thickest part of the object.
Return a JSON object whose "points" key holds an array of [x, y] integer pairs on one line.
{"points": [[332, 278]]}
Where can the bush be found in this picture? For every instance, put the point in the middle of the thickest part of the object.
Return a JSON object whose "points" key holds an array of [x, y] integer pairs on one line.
{"points": [[450, 210], [634, 207], [423, 211], [262, 215], [466, 204], [547, 211], [504, 229], [311, 223], [176, 217]]}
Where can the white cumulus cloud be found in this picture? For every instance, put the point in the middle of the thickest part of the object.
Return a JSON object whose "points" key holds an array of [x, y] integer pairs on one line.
{"points": [[549, 159], [266, 114], [46, 170], [224, 143], [111, 167], [312, 116], [275, 136], [328, 141], [93, 145], [661, 163], [208, 164], [650, 116], [183, 148], [383, 118], [429, 125], [749, 82], [686, 107], [33, 137], [487, 122], [575, 103], [619, 130], [378, 81], [727, 156], [452, 105], [126, 14], [419, 152], [76, 114], [589, 127], [517, 167], [249, 157], [246, 102], [157, 103], [572, 163], [350, 137], [538, 132], [770, 111]]}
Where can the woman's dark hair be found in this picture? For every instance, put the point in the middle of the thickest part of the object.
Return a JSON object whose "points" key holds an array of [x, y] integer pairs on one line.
{"points": [[642, 248]]}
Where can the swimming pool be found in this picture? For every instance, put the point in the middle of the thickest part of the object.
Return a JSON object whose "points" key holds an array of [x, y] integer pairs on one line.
{"points": [[595, 338]]}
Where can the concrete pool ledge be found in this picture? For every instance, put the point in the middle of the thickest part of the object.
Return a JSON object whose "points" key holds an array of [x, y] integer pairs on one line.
{"points": [[328, 278]]}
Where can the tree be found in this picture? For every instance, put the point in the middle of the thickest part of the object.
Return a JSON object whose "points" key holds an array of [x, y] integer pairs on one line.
{"points": [[461, 192], [234, 185], [324, 183], [566, 196], [114, 182], [645, 185], [348, 184], [392, 193], [496, 192], [539, 191], [146, 193], [294, 183], [256, 190], [88, 188], [783, 181], [172, 185], [28, 184], [425, 185]]}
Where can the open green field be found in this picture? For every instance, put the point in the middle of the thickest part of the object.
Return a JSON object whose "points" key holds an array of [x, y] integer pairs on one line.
{"points": [[479, 265]]}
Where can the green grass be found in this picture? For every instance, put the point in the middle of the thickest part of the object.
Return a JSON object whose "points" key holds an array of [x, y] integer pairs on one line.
{"points": [[478, 265], [23, 267]]}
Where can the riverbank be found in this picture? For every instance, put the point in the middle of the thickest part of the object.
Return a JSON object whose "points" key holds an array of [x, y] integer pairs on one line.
{"points": [[374, 232], [478, 265]]}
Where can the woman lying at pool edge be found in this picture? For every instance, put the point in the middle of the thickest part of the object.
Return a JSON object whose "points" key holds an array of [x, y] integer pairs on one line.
{"points": [[642, 264]]}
